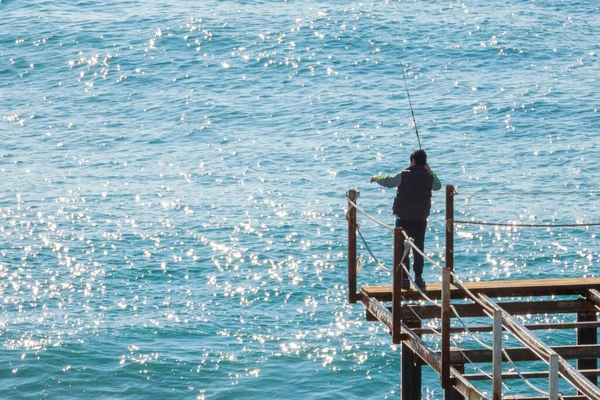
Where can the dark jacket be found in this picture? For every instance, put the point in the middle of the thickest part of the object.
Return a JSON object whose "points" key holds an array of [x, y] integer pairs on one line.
{"points": [[413, 198]]}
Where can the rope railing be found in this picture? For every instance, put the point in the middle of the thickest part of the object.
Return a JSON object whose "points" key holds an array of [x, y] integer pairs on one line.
{"points": [[427, 298], [521, 225], [529, 192], [378, 222], [460, 284], [380, 264]]}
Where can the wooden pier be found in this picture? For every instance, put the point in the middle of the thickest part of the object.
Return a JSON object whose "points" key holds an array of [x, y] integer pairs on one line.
{"points": [[403, 313]]}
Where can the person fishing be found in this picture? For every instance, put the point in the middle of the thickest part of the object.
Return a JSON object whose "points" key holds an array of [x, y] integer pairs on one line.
{"points": [[412, 206]]}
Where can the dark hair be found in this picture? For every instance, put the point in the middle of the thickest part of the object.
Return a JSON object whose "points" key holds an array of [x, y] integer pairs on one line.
{"points": [[420, 157]]}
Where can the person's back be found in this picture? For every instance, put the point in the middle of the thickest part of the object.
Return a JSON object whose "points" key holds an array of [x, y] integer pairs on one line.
{"points": [[413, 198], [412, 205]]}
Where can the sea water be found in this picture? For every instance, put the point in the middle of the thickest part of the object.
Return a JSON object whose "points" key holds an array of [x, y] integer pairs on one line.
{"points": [[173, 179]]}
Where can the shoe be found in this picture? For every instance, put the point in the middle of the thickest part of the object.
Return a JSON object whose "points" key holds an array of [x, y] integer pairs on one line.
{"points": [[405, 284], [420, 283]]}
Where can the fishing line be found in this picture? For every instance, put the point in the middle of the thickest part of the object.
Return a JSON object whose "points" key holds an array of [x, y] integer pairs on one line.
{"points": [[411, 108]]}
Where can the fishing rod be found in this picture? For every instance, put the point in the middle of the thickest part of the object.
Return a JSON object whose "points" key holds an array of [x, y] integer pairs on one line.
{"points": [[411, 108]]}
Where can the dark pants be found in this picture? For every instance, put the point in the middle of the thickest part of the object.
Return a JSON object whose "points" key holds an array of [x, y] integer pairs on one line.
{"points": [[416, 230]]}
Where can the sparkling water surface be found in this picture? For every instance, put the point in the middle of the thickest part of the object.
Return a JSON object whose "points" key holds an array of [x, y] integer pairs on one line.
{"points": [[172, 206]]}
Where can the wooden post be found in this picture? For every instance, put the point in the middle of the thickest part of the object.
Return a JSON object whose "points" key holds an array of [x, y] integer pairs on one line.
{"points": [[450, 228], [497, 357], [445, 375], [351, 217], [587, 336], [397, 285], [450, 393]]}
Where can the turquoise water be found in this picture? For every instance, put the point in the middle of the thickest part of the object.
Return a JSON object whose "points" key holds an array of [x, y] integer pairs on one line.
{"points": [[172, 211]]}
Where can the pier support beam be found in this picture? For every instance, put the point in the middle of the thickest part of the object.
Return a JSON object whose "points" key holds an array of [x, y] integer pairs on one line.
{"points": [[412, 381], [587, 336], [452, 393]]}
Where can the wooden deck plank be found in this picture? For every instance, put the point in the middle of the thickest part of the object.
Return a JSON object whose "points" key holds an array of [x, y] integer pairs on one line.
{"points": [[513, 288], [410, 312]]}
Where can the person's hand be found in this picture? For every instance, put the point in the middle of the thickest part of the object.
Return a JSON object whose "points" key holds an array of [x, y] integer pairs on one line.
{"points": [[428, 168], [372, 179]]}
